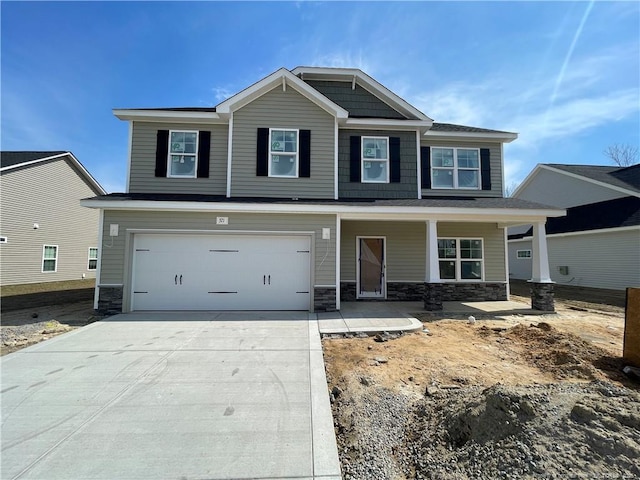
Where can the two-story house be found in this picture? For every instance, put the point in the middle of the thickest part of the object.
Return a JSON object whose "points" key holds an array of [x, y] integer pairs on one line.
{"points": [[308, 188]]}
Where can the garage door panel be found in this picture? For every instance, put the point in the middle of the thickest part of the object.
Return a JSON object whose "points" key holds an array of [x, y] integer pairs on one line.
{"points": [[223, 272]]}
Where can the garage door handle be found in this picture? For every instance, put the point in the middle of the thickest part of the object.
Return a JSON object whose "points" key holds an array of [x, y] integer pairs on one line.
{"points": [[180, 279], [269, 279], [264, 279], [176, 279]]}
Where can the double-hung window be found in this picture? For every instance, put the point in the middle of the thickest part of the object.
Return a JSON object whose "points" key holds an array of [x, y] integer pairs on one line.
{"points": [[375, 160], [183, 153], [49, 258], [460, 259], [455, 168], [283, 154], [93, 258]]}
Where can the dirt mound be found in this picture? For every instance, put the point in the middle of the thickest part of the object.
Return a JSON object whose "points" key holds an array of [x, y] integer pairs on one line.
{"points": [[554, 431]]}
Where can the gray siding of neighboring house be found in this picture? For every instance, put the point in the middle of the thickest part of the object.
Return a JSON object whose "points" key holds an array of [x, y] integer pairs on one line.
{"points": [[359, 102], [598, 259], [278, 109], [408, 185], [519, 268], [114, 257], [48, 194], [496, 170], [561, 190], [406, 247], [142, 177]]}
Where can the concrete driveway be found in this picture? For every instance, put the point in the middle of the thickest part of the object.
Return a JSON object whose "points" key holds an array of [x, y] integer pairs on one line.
{"points": [[203, 395]]}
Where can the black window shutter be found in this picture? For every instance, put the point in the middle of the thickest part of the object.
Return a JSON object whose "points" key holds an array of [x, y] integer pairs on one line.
{"points": [[204, 145], [304, 169], [162, 152], [356, 153], [485, 168], [262, 153], [394, 159], [425, 156]]}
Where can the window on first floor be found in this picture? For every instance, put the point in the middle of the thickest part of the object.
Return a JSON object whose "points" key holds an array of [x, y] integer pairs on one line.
{"points": [[283, 156], [375, 160], [461, 259], [523, 254], [183, 153], [49, 258], [455, 168], [93, 258]]}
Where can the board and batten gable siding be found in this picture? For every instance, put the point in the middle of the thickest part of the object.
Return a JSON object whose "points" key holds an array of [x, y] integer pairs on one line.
{"points": [[405, 248], [493, 245], [48, 194], [282, 109], [359, 102], [114, 255], [408, 185], [560, 190], [142, 177], [496, 170], [598, 259]]}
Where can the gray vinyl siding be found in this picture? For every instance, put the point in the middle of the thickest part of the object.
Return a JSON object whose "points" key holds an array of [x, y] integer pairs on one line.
{"points": [[561, 190], [114, 256], [408, 185], [520, 268], [599, 260], [406, 247], [48, 194], [142, 177], [405, 244], [493, 244], [496, 170], [359, 102], [278, 109]]}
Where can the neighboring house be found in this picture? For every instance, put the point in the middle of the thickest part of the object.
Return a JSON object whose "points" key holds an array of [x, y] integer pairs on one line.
{"points": [[598, 243], [308, 188], [45, 235]]}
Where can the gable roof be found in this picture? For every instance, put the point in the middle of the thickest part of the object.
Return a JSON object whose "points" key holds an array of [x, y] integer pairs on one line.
{"points": [[620, 179], [10, 160], [617, 213]]}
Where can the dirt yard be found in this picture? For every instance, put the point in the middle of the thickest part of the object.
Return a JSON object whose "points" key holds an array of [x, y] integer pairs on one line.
{"points": [[508, 397]]}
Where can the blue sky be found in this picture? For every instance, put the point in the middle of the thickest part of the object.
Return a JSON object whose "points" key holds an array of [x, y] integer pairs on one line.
{"points": [[565, 75]]}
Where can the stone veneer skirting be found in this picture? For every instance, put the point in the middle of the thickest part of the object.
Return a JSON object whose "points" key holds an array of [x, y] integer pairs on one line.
{"points": [[396, 291], [324, 299], [542, 297], [436, 293], [109, 300]]}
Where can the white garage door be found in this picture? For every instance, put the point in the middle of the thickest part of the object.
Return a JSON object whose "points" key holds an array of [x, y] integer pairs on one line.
{"points": [[220, 272]]}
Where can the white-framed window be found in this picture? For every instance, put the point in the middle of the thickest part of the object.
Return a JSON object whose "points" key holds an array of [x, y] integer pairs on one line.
{"points": [[283, 152], [92, 264], [375, 160], [49, 258], [523, 254], [461, 259], [183, 154], [455, 168]]}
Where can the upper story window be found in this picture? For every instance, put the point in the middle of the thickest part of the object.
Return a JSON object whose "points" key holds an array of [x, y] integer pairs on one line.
{"points": [[455, 168], [49, 258], [183, 153], [460, 258], [283, 156], [375, 160]]}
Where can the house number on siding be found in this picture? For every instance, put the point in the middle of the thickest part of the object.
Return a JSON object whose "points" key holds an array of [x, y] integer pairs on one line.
{"points": [[222, 220]]}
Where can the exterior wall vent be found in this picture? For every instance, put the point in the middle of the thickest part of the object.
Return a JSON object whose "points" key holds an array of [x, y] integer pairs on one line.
{"points": [[564, 270]]}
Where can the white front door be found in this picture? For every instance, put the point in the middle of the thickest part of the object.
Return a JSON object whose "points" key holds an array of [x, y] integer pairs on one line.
{"points": [[221, 272], [371, 267]]}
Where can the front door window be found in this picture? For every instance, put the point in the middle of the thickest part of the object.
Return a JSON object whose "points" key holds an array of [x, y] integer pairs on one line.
{"points": [[371, 267]]}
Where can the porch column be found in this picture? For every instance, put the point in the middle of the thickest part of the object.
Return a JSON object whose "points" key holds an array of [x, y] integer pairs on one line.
{"points": [[432, 284], [541, 283]]}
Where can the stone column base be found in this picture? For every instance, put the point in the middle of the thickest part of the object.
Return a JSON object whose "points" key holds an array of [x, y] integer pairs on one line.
{"points": [[324, 299], [433, 296], [542, 297], [110, 300]]}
